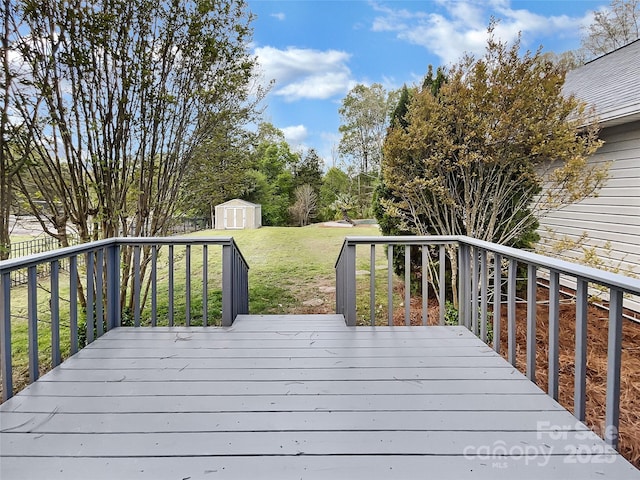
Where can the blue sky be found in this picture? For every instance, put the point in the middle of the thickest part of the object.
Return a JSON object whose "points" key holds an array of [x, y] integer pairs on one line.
{"points": [[317, 50]]}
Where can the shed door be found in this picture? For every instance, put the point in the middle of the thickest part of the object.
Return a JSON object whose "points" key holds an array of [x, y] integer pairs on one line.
{"points": [[234, 217]]}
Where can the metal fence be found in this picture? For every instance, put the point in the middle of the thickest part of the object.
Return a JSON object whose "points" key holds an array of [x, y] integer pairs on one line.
{"points": [[31, 247], [482, 270]]}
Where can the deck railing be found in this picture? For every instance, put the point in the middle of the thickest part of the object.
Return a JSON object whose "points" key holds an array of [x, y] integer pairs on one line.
{"points": [[113, 282], [482, 270]]}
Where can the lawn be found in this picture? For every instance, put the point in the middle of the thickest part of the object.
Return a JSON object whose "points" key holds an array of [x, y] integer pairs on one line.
{"points": [[291, 270]]}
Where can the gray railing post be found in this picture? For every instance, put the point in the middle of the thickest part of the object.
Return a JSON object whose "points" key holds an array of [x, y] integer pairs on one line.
{"points": [[614, 356], [227, 285], [350, 279], [532, 311], [6, 369], [464, 273], [339, 287], [244, 288], [113, 286], [54, 303], [484, 293], [511, 311], [497, 301], [474, 291], [554, 334], [580, 381], [372, 284], [32, 319], [443, 288]]}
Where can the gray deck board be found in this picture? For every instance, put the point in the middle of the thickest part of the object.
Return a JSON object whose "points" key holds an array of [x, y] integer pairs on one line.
{"points": [[294, 397]]}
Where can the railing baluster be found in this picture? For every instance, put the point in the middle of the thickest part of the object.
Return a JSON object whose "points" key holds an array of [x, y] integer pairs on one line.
{"points": [[467, 289], [90, 299], [99, 293], [187, 298], [443, 288], [474, 290], [136, 286], [340, 285], [372, 284], [483, 295], [554, 332], [170, 313], [114, 318], [390, 284], [205, 285], [227, 282], [463, 274], [497, 300], [6, 368], [407, 285], [350, 259], [32, 315], [580, 380], [73, 304], [614, 357], [532, 311], [154, 286], [425, 284], [55, 313], [511, 311]]}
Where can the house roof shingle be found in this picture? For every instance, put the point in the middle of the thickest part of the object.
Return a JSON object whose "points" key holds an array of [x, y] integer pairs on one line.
{"points": [[610, 84]]}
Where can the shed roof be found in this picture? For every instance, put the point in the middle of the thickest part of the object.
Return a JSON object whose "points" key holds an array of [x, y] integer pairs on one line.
{"points": [[610, 84], [238, 202]]}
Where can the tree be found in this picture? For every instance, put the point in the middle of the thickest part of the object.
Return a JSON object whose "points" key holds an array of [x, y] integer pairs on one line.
{"points": [[129, 90], [613, 27], [305, 205], [474, 158], [271, 181], [365, 117], [335, 182], [117, 97], [344, 203], [308, 171]]}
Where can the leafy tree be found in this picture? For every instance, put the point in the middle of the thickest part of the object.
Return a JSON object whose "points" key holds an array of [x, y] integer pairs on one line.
{"points": [[308, 171], [344, 203], [613, 27], [335, 182], [271, 181], [118, 95], [474, 158], [365, 117], [123, 93]]}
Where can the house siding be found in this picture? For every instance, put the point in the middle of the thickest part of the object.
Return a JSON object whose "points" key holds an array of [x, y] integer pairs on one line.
{"points": [[612, 219]]}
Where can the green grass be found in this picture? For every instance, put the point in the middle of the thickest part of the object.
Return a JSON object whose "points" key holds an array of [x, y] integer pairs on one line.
{"points": [[287, 267]]}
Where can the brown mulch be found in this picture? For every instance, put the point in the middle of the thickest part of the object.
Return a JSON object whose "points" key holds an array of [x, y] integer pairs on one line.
{"points": [[597, 337]]}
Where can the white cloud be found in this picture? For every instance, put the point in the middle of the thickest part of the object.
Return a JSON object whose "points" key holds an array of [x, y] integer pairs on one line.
{"points": [[306, 73], [460, 27], [295, 135], [279, 16]]}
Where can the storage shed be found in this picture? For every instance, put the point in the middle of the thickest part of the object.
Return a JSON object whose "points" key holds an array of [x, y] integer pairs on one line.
{"points": [[238, 214]]}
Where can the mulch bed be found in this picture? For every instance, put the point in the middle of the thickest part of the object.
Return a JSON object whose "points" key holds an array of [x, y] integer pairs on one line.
{"points": [[597, 336]]}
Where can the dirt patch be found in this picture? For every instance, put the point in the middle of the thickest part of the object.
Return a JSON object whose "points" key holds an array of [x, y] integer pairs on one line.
{"points": [[597, 338]]}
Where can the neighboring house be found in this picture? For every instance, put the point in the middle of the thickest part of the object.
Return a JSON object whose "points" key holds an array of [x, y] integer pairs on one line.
{"points": [[238, 214], [611, 85]]}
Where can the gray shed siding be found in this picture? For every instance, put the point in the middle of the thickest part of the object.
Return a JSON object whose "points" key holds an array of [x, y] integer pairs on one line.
{"points": [[611, 220]]}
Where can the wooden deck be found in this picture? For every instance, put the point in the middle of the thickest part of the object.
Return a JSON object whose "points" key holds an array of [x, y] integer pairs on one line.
{"points": [[294, 397]]}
